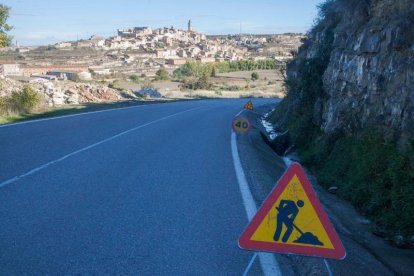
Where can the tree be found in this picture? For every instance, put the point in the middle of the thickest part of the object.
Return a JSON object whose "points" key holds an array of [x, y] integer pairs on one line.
{"points": [[161, 74], [5, 40], [255, 76]]}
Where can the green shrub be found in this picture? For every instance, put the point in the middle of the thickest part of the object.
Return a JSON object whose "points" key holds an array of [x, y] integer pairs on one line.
{"points": [[134, 78], [374, 174], [197, 83], [254, 76], [198, 69], [21, 102], [161, 75], [25, 101], [3, 105]]}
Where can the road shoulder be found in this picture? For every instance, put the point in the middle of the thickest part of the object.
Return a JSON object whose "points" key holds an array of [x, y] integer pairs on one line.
{"points": [[263, 167]]}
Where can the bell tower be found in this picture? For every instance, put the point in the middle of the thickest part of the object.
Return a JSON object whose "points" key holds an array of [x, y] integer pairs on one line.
{"points": [[190, 27]]}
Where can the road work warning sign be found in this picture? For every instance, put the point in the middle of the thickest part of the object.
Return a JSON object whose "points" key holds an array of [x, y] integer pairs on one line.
{"points": [[292, 220], [249, 105]]}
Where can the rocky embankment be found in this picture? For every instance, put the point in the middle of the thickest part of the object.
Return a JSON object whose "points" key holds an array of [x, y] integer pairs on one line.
{"points": [[349, 110], [64, 92], [369, 77]]}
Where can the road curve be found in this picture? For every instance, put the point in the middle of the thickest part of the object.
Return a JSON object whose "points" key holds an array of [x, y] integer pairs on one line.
{"points": [[143, 191]]}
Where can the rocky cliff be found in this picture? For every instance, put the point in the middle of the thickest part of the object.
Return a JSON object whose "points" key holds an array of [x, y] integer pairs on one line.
{"points": [[349, 109], [368, 75]]}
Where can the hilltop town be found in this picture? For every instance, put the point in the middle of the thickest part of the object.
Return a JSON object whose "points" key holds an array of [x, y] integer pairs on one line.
{"points": [[132, 58]]}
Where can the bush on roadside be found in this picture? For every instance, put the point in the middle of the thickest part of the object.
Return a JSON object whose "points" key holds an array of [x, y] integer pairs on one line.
{"points": [[21, 102]]}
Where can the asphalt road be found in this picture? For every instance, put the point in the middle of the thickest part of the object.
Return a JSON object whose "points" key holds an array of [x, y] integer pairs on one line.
{"points": [[143, 190]]}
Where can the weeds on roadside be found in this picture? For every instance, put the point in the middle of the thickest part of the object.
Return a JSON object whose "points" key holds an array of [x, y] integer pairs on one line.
{"points": [[21, 102]]}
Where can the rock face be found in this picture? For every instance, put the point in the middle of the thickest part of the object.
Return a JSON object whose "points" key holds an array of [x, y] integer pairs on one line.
{"points": [[350, 107], [369, 79], [64, 92]]}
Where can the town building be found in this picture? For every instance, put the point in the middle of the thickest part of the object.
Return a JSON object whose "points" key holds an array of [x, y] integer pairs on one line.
{"points": [[190, 27], [10, 69], [97, 41], [177, 61], [207, 59], [63, 45]]}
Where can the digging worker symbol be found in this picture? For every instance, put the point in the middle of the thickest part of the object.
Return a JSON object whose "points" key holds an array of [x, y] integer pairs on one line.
{"points": [[287, 212]]}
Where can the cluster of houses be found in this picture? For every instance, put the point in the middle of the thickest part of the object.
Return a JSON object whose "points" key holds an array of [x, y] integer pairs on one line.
{"points": [[167, 43], [145, 50]]}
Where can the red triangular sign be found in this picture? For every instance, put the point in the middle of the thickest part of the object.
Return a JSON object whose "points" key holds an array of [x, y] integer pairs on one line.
{"points": [[292, 220], [249, 105]]}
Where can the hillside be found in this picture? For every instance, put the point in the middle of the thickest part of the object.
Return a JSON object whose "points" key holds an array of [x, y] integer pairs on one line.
{"points": [[349, 108]]}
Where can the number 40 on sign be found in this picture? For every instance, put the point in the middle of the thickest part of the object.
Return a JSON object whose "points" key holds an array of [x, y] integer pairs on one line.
{"points": [[241, 125]]}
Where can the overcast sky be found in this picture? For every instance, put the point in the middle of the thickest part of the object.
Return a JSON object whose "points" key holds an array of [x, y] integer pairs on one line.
{"points": [[39, 22]]}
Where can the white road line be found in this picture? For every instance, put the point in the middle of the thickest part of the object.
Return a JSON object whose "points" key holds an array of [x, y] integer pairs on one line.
{"points": [[249, 266], [328, 269], [74, 115], [240, 112], [16, 178], [268, 262]]}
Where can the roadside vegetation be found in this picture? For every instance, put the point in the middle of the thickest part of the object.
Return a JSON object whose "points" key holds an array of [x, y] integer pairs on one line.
{"points": [[21, 102], [196, 75], [134, 78], [5, 39], [255, 76], [373, 173], [161, 75], [198, 69], [372, 170]]}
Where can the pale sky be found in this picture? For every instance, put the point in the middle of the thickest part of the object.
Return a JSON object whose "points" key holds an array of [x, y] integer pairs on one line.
{"points": [[40, 22]]}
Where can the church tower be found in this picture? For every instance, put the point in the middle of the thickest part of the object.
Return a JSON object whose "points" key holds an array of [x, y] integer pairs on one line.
{"points": [[190, 27]]}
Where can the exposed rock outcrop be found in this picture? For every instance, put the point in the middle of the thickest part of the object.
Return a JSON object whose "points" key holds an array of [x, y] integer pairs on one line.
{"points": [[369, 78], [349, 108]]}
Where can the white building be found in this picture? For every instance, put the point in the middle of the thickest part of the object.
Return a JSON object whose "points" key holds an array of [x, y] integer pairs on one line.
{"points": [[99, 70], [10, 69], [62, 45], [97, 41]]}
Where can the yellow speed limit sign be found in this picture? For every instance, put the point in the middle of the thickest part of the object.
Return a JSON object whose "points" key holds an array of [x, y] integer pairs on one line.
{"points": [[241, 125]]}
